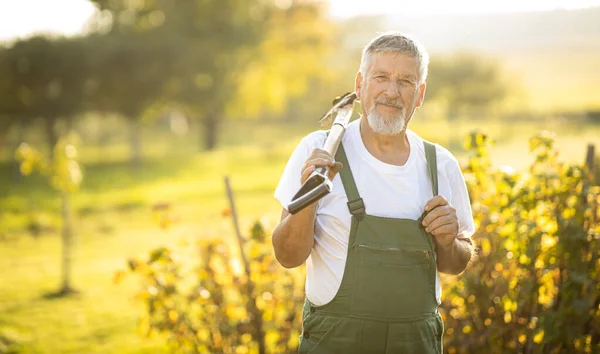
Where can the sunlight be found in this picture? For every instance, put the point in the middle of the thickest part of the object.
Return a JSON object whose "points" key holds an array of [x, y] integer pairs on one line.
{"points": [[344, 8], [26, 17], [17, 19]]}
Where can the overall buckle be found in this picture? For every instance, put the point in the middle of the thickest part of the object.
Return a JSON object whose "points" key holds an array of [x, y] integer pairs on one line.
{"points": [[357, 208]]}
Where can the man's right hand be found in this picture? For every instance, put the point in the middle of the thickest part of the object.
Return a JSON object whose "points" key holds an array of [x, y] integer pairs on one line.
{"points": [[320, 157], [293, 238]]}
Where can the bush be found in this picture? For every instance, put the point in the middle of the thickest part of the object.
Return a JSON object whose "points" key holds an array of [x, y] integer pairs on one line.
{"points": [[218, 306], [535, 285], [533, 288]]}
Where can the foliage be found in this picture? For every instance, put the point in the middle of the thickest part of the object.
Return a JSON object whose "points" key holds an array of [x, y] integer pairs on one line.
{"points": [[206, 309], [43, 78], [282, 73], [205, 58], [65, 176], [62, 170], [535, 286], [219, 52], [465, 82]]}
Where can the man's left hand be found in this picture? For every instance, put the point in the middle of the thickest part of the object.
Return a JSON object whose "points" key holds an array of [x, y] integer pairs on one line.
{"points": [[441, 221]]}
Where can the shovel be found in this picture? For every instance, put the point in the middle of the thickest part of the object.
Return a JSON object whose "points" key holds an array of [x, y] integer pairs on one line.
{"points": [[318, 183]]}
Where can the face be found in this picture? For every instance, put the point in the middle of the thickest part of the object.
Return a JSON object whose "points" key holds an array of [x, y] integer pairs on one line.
{"points": [[389, 91]]}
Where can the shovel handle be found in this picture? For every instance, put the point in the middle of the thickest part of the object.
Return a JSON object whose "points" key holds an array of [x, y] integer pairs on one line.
{"points": [[322, 170], [318, 184]]}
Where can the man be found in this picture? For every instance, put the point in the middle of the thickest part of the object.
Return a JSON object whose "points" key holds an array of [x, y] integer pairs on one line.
{"points": [[398, 213]]}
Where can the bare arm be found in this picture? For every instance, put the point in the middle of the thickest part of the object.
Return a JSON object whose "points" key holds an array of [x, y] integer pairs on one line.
{"points": [[453, 251], [293, 238], [454, 258]]}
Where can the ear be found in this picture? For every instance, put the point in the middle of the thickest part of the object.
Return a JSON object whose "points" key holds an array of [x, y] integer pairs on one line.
{"points": [[422, 88], [358, 84]]}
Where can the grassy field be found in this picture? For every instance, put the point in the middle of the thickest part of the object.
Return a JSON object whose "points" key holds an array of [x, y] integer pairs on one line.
{"points": [[114, 221]]}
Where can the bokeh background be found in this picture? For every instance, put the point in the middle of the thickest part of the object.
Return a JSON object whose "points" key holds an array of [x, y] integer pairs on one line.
{"points": [[120, 119]]}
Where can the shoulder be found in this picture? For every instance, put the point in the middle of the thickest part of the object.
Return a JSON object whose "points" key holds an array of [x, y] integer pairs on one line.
{"points": [[314, 139], [446, 161]]}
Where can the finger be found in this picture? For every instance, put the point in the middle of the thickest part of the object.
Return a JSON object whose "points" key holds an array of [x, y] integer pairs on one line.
{"points": [[436, 213], [319, 153], [441, 221], [436, 201], [337, 167], [319, 161], [448, 229], [306, 173]]}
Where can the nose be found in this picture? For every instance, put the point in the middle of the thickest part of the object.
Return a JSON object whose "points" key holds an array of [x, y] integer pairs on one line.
{"points": [[393, 89]]}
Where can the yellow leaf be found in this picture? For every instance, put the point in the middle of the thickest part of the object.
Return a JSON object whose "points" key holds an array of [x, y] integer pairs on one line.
{"points": [[523, 259], [203, 334], [118, 276], [173, 315], [486, 247], [538, 337], [26, 168], [539, 264]]}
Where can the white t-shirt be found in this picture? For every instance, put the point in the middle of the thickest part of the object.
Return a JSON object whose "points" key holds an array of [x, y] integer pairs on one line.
{"points": [[387, 191]]}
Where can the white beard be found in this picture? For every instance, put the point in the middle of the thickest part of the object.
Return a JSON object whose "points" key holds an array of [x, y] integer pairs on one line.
{"points": [[381, 126]]}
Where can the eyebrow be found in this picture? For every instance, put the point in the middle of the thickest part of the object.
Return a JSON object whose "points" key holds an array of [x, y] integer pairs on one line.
{"points": [[405, 76]]}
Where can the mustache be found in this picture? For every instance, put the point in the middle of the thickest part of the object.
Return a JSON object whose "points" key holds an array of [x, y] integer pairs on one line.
{"points": [[389, 102]]}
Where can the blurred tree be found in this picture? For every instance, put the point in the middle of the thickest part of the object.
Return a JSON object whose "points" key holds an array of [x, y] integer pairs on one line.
{"points": [[43, 78], [6, 119], [210, 41], [236, 58], [466, 83], [65, 176], [128, 74], [295, 68]]}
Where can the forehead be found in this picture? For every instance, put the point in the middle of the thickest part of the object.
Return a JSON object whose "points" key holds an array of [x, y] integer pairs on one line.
{"points": [[393, 63]]}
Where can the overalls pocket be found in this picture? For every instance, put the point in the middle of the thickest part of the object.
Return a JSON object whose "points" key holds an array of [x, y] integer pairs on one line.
{"points": [[315, 330], [418, 337], [391, 282], [324, 334]]}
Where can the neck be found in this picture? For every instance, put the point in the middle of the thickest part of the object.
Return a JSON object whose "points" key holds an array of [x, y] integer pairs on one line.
{"points": [[391, 149]]}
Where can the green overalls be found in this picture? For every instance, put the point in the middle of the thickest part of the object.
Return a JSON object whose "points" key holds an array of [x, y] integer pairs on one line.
{"points": [[386, 302]]}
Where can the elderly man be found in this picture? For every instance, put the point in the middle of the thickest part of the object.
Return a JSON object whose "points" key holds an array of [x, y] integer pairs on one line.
{"points": [[398, 214]]}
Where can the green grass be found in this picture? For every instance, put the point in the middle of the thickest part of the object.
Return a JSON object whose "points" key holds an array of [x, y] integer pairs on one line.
{"points": [[114, 221]]}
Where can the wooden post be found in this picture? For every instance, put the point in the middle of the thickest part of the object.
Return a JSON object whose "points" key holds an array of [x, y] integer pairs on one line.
{"points": [[255, 313], [590, 160]]}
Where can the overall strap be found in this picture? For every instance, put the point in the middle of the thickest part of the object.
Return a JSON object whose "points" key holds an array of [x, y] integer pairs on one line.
{"points": [[355, 202], [430, 156]]}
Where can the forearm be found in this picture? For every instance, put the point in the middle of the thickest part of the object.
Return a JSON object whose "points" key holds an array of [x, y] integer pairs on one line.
{"points": [[453, 258], [293, 238]]}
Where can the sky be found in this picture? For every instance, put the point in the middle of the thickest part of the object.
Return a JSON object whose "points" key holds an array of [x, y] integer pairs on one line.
{"points": [[20, 18]]}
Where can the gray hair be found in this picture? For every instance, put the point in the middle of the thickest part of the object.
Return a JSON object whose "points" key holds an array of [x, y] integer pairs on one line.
{"points": [[399, 43]]}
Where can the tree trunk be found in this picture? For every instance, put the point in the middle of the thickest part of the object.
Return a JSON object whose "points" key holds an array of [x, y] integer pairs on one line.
{"points": [[51, 136], [67, 240], [210, 130], [20, 138], [135, 142]]}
